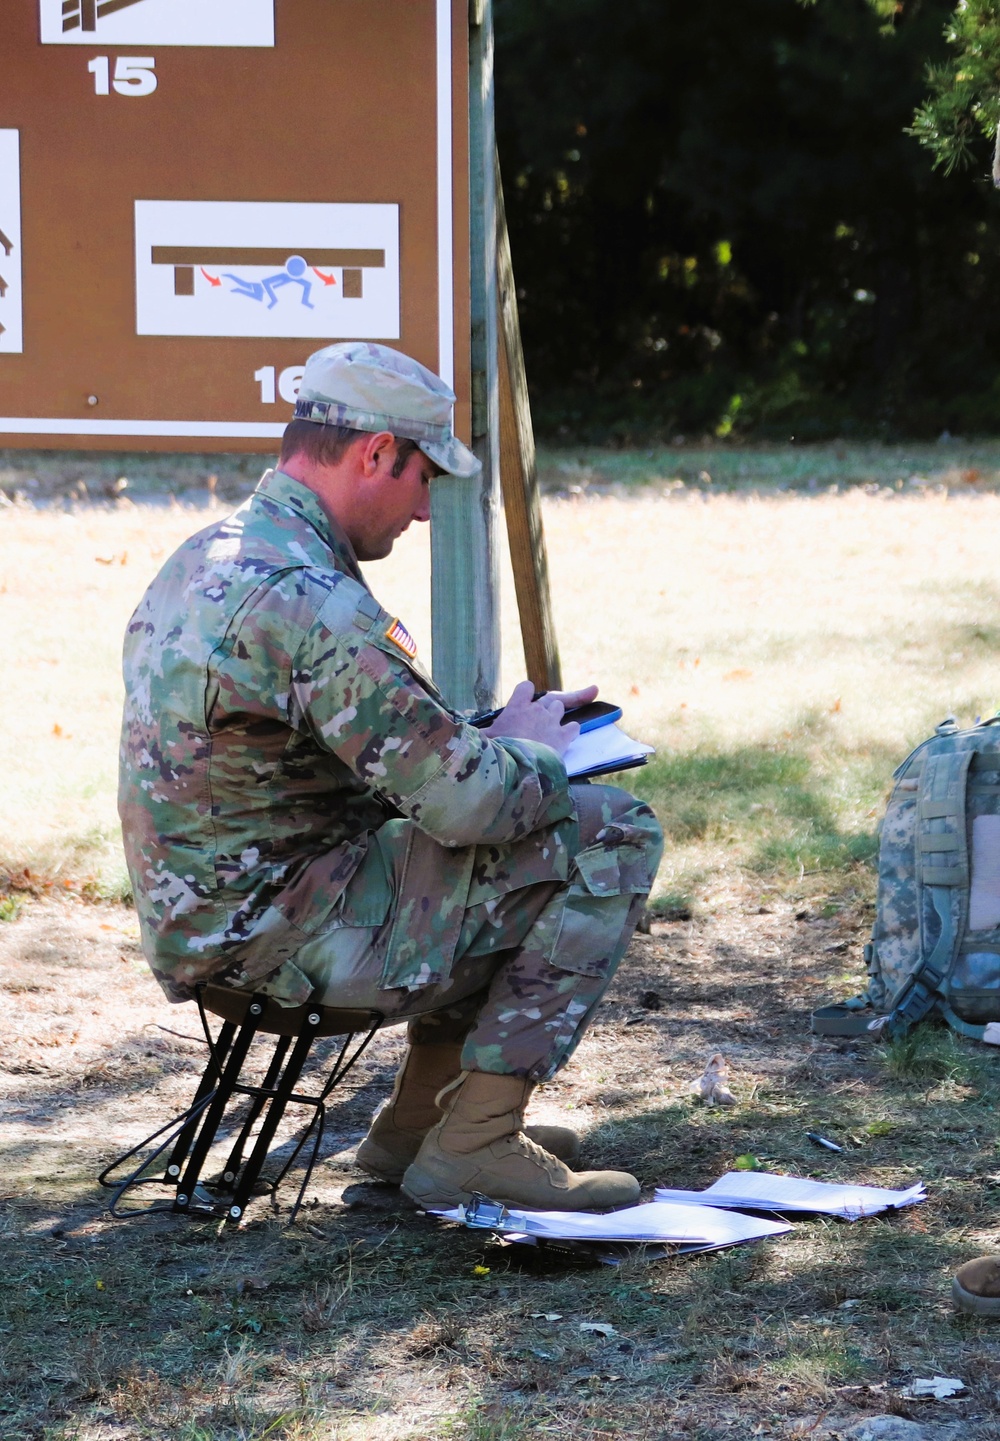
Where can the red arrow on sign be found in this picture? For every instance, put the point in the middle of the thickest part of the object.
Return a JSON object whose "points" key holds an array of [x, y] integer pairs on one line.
{"points": [[3, 287], [326, 279], [212, 279], [8, 245]]}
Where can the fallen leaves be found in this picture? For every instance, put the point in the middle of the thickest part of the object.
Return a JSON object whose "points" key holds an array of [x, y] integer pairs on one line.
{"points": [[747, 1163]]}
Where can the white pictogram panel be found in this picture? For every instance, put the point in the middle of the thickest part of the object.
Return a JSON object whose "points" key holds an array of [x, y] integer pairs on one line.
{"points": [[11, 341], [157, 22], [267, 268]]}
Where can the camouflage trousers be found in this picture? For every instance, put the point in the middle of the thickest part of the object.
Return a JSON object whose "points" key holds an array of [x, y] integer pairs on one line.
{"points": [[505, 948]]}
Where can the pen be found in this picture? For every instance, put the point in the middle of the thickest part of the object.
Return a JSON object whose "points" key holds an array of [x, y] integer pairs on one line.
{"points": [[819, 1140]]}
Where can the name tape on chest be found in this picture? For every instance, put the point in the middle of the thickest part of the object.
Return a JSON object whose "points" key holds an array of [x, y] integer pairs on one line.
{"points": [[402, 638]]}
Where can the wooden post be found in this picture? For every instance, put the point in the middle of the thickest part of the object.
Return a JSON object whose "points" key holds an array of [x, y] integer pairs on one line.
{"points": [[465, 571], [519, 480]]}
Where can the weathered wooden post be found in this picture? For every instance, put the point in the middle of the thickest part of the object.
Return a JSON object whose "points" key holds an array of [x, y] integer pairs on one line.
{"points": [[465, 577], [519, 481]]}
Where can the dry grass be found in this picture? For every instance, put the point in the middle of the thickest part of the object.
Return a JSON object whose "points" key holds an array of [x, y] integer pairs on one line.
{"points": [[783, 652]]}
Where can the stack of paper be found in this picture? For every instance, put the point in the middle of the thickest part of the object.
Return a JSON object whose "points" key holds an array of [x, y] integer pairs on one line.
{"points": [[763, 1191], [607, 748], [688, 1228]]}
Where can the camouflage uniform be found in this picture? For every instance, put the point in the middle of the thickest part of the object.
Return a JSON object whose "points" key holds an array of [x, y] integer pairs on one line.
{"points": [[304, 815]]}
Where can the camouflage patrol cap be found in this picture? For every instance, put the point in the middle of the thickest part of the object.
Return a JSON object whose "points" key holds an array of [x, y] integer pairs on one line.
{"points": [[371, 387]]}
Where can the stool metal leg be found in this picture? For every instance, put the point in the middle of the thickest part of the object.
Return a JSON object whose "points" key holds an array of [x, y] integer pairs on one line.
{"points": [[316, 1125], [210, 1078], [210, 1124], [260, 1097], [282, 1093]]}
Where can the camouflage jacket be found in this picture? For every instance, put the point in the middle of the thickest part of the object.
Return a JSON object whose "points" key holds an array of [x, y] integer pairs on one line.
{"points": [[275, 717]]}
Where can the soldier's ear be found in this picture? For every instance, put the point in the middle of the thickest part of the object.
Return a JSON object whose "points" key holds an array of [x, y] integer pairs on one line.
{"points": [[375, 449]]}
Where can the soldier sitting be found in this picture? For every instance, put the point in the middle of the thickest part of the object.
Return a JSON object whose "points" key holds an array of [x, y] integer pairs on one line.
{"points": [[305, 816]]}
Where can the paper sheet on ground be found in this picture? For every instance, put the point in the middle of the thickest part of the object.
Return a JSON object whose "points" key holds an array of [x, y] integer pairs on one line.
{"points": [[690, 1227], [765, 1191], [605, 749]]}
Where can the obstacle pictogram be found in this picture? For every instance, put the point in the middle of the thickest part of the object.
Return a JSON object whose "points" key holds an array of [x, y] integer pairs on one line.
{"points": [[84, 14], [10, 242], [309, 270], [157, 22], [186, 259]]}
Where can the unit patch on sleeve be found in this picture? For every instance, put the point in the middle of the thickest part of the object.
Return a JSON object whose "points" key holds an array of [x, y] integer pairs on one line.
{"points": [[401, 637]]}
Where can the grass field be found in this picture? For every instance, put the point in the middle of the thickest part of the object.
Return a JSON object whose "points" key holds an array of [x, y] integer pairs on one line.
{"points": [[782, 648]]}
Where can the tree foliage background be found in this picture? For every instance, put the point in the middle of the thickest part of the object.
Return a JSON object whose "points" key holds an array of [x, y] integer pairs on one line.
{"points": [[723, 218]]}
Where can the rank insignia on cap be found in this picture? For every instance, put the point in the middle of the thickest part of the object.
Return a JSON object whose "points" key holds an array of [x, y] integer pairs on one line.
{"points": [[400, 636]]}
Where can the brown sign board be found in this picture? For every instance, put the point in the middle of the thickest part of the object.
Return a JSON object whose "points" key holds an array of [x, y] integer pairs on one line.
{"points": [[197, 194]]}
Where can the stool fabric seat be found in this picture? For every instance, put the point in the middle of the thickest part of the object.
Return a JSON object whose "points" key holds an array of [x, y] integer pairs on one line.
{"points": [[279, 1020], [190, 1136]]}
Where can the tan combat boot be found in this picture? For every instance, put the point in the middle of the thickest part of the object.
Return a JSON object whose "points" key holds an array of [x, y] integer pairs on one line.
{"points": [[976, 1287], [399, 1128], [479, 1147]]}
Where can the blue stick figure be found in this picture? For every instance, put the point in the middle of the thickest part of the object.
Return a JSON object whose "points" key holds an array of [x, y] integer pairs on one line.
{"points": [[293, 273], [252, 289]]}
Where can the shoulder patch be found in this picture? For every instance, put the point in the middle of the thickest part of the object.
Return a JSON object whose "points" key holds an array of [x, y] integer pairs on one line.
{"points": [[402, 638]]}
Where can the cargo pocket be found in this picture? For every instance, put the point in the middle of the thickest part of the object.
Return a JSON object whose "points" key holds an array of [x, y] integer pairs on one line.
{"points": [[591, 930], [430, 908], [367, 898], [287, 985]]}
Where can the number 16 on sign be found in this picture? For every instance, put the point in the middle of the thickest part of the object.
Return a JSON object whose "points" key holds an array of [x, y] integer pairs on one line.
{"points": [[287, 386]]}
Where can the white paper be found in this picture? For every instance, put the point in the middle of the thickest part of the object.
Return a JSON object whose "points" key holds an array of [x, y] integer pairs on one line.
{"points": [[934, 1388], [765, 1191], [701, 1227], [601, 747]]}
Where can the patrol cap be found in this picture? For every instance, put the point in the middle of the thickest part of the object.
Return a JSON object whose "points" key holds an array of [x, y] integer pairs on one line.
{"points": [[371, 387]]}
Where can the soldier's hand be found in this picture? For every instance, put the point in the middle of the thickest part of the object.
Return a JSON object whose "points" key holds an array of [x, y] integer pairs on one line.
{"points": [[570, 699], [527, 719]]}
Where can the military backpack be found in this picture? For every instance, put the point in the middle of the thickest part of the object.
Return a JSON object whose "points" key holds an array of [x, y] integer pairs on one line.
{"points": [[935, 946]]}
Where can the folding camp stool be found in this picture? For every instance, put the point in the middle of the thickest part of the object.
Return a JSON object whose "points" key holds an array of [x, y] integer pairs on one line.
{"points": [[190, 1136]]}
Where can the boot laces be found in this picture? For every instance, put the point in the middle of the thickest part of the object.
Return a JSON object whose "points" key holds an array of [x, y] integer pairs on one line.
{"points": [[544, 1158]]}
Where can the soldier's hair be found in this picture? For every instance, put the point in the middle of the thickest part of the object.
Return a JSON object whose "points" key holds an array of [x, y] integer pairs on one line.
{"points": [[327, 444]]}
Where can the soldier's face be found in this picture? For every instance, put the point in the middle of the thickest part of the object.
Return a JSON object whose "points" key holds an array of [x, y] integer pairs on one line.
{"points": [[393, 503]]}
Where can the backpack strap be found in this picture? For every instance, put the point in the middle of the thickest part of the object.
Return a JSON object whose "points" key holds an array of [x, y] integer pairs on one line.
{"points": [[843, 1018], [942, 871], [965, 1028]]}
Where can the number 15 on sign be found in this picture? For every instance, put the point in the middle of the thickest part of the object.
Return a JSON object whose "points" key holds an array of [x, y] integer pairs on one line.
{"points": [[133, 75]]}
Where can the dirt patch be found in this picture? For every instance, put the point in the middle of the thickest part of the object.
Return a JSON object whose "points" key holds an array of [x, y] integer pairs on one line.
{"points": [[368, 1320]]}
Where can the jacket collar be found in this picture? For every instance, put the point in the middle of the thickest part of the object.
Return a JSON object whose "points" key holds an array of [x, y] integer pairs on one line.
{"points": [[283, 490]]}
